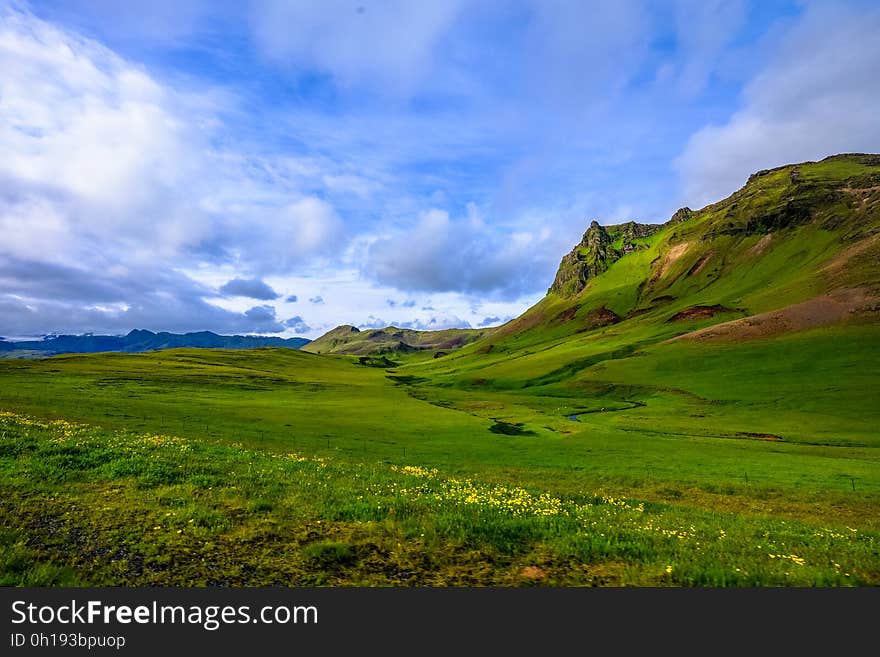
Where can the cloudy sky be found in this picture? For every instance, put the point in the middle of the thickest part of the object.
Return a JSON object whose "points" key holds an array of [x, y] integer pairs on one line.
{"points": [[281, 167]]}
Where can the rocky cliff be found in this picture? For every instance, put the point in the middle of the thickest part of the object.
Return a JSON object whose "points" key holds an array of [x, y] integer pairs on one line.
{"points": [[601, 247]]}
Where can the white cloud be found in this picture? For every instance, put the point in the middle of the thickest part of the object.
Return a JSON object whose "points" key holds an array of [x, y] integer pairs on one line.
{"points": [[817, 97], [311, 224], [78, 118], [113, 155], [101, 157], [17, 227], [466, 255], [277, 238], [429, 324]]}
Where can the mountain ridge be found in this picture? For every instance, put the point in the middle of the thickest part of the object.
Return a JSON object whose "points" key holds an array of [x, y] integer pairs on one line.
{"points": [[790, 234], [142, 340], [349, 340]]}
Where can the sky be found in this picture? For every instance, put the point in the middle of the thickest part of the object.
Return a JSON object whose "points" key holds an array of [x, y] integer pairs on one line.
{"points": [[279, 168]]}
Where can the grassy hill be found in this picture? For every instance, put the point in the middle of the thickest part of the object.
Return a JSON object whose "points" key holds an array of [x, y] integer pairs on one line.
{"points": [[791, 234], [391, 340], [694, 404]]}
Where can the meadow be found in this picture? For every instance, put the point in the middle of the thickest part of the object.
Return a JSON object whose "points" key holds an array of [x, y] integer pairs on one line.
{"points": [[674, 464]]}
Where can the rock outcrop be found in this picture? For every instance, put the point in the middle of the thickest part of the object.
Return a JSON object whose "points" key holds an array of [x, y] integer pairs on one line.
{"points": [[682, 214], [600, 247]]}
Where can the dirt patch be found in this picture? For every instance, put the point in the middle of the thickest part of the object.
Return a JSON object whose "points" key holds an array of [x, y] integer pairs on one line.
{"points": [[566, 315], [522, 323], [762, 245], [699, 312], [700, 264], [671, 256], [592, 320], [839, 262], [533, 572], [600, 317], [825, 310]]}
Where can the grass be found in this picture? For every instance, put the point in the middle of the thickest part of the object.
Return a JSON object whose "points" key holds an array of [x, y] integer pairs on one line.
{"points": [[91, 506], [314, 470]]}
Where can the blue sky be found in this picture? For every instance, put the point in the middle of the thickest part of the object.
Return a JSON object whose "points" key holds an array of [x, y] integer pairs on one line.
{"points": [[284, 167]]}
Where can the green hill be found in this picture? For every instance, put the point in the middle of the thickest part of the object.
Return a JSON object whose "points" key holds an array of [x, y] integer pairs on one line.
{"points": [[799, 233], [391, 340]]}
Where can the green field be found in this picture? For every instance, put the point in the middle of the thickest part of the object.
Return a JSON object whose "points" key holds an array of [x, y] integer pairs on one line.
{"points": [[275, 466], [579, 444]]}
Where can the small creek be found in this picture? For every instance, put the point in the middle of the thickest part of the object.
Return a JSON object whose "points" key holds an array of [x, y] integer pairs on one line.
{"points": [[575, 417]]}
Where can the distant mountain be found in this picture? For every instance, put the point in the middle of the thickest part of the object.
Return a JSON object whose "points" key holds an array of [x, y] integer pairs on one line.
{"points": [[349, 340], [140, 340]]}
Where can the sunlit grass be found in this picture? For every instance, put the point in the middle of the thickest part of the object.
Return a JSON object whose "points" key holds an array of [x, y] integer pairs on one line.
{"points": [[158, 509]]}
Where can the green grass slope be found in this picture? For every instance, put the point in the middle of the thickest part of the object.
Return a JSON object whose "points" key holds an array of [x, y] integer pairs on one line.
{"points": [[790, 235]]}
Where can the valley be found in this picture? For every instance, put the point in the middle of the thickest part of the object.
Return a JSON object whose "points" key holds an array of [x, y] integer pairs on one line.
{"points": [[692, 404]]}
